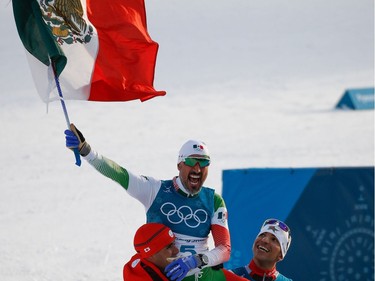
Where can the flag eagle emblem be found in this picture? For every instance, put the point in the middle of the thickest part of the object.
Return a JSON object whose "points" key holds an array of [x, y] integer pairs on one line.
{"points": [[65, 18]]}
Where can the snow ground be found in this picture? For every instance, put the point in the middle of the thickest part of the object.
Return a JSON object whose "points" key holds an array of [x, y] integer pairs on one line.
{"points": [[257, 80]]}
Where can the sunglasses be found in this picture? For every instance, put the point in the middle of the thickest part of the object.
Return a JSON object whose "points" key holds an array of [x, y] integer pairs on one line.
{"points": [[281, 224], [191, 162]]}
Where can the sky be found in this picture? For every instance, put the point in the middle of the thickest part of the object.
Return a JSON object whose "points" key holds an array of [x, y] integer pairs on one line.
{"points": [[258, 81]]}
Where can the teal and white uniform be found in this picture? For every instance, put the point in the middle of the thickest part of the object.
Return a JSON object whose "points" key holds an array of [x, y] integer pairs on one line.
{"points": [[191, 218]]}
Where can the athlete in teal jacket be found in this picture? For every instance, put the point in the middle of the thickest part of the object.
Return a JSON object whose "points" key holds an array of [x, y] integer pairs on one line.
{"points": [[183, 204]]}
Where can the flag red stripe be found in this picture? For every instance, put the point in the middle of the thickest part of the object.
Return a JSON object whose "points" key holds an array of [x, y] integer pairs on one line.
{"points": [[125, 64]]}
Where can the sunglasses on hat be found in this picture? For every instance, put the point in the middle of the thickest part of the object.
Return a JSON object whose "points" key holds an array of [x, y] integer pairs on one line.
{"points": [[191, 162], [281, 224]]}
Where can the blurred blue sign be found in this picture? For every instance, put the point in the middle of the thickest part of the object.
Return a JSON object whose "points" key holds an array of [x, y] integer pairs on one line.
{"points": [[357, 99], [330, 212]]}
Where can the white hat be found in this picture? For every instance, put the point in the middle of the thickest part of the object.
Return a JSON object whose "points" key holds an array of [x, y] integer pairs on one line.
{"points": [[193, 147], [280, 230]]}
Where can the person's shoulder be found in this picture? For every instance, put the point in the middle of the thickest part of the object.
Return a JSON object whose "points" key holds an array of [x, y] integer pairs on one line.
{"points": [[212, 193], [281, 277], [218, 196], [210, 190], [167, 182], [242, 271], [219, 200]]}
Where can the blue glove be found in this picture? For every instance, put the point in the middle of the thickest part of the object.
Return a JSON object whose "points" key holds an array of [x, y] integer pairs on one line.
{"points": [[75, 139], [72, 140], [178, 269]]}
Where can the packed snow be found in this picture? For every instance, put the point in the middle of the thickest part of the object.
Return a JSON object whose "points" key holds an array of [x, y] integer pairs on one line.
{"points": [[258, 81]]}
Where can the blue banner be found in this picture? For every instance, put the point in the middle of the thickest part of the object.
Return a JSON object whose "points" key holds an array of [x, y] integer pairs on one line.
{"points": [[329, 210]]}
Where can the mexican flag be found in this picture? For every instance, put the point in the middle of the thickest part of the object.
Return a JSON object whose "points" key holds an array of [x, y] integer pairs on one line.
{"points": [[99, 50]]}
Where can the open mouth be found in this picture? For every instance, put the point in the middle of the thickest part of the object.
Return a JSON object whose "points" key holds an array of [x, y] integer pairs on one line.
{"points": [[194, 179], [263, 249]]}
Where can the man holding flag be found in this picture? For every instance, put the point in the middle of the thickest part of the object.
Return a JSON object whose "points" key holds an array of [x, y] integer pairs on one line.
{"points": [[101, 51], [189, 209]]}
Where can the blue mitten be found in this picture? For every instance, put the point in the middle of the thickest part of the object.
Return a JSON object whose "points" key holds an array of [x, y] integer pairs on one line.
{"points": [[75, 139], [178, 269]]}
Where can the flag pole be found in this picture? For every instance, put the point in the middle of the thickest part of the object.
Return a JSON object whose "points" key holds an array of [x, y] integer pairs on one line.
{"points": [[75, 150]]}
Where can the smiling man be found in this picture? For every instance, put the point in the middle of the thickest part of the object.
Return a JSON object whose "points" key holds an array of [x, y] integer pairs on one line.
{"points": [[270, 247], [154, 243], [183, 204]]}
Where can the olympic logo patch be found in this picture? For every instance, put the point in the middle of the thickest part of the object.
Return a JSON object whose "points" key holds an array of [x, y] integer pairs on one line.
{"points": [[184, 214]]}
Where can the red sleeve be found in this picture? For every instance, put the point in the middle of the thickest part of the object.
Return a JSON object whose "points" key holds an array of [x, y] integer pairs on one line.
{"points": [[221, 238]]}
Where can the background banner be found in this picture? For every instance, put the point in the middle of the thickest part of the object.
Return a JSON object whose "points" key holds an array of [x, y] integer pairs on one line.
{"points": [[330, 212]]}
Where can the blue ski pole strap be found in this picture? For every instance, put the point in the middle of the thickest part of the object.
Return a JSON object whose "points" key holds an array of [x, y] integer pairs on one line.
{"points": [[78, 156]]}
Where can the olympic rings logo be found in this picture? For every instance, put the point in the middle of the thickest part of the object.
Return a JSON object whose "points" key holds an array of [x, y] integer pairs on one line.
{"points": [[184, 214]]}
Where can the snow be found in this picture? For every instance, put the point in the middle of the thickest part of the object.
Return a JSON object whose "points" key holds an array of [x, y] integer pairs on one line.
{"points": [[257, 80]]}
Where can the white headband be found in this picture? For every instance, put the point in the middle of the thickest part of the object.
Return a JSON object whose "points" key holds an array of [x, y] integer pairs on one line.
{"points": [[281, 234]]}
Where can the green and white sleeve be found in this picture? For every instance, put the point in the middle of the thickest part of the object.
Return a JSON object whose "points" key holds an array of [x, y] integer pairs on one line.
{"points": [[143, 188]]}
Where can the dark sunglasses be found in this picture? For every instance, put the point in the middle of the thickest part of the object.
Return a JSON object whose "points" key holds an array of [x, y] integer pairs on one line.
{"points": [[191, 162], [281, 224]]}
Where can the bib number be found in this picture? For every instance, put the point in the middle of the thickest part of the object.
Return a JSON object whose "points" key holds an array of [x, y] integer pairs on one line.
{"points": [[188, 248]]}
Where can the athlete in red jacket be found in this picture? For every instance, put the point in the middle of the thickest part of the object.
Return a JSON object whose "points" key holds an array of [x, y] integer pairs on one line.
{"points": [[154, 243]]}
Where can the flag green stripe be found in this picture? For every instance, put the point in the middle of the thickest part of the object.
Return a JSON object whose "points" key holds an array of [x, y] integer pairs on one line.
{"points": [[35, 34]]}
